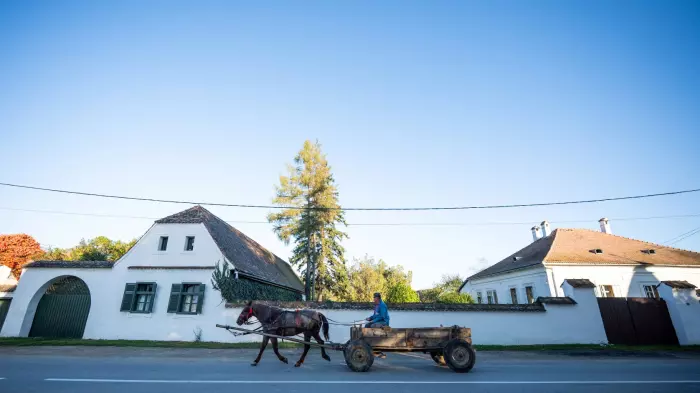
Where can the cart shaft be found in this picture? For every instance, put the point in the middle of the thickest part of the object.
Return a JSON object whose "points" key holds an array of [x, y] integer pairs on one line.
{"points": [[333, 346]]}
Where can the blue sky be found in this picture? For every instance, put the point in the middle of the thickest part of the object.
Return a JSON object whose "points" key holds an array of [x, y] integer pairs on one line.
{"points": [[415, 103]]}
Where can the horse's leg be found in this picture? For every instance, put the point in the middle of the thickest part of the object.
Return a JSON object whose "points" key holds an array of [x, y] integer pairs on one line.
{"points": [[277, 352], [307, 337], [323, 350], [262, 349]]}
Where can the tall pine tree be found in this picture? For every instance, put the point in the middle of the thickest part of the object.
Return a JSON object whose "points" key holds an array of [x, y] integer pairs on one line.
{"points": [[311, 223]]}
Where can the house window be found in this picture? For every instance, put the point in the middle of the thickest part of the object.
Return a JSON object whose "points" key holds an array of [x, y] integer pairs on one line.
{"points": [[479, 298], [186, 298], [491, 297], [606, 291], [138, 297], [189, 243], [513, 296], [163, 243], [530, 294], [650, 291]]}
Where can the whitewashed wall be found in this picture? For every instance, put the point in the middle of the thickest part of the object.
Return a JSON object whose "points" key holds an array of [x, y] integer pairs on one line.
{"points": [[560, 324], [627, 281], [105, 321], [502, 283], [684, 308]]}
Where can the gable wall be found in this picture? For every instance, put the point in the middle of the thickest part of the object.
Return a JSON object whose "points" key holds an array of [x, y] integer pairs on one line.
{"points": [[145, 252]]}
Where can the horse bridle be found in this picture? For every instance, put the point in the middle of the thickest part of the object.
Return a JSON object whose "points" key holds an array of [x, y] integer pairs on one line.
{"points": [[247, 317]]}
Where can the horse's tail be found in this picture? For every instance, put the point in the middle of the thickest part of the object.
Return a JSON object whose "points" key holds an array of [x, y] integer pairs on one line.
{"points": [[324, 325]]}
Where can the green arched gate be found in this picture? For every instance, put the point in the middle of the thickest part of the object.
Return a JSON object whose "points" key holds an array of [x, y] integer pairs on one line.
{"points": [[63, 310]]}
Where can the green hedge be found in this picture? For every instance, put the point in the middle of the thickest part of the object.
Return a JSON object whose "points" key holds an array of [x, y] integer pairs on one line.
{"points": [[233, 289]]}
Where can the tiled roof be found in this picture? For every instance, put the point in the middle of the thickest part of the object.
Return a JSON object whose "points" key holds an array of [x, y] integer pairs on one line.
{"points": [[555, 300], [246, 254], [579, 246], [534, 307], [580, 282], [679, 284], [575, 245], [72, 264]]}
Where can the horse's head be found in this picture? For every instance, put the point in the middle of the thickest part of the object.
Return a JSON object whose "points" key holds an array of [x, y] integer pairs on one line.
{"points": [[245, 314]]}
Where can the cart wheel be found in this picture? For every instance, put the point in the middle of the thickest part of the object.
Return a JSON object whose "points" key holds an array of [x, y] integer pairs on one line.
{"points": [[358, 355], [438, 358], [459, 355]]}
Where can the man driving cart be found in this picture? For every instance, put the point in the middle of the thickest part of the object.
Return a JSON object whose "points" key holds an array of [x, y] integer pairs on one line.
{"points": [[379, 319]]}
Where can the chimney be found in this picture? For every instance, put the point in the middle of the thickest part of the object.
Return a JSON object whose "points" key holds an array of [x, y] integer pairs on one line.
{"points": [[545, 228], [605, 226], [535, 233]]}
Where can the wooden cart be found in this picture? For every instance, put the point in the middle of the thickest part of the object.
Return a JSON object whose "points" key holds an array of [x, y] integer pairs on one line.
{"points": [[451, 346], [446, 345]]}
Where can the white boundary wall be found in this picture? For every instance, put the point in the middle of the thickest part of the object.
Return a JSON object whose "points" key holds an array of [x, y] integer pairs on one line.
{"points": [[684, 308], [559, 324]]}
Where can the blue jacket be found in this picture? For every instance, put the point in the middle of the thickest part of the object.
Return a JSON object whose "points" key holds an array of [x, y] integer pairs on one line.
{"points": [[381, 313]]}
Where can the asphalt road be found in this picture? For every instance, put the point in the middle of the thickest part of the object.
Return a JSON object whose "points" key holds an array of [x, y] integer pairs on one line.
{"points": [[153, 370]]}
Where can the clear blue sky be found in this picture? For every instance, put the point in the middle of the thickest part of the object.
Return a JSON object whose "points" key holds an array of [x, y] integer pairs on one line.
{"points": [[429, 103]]}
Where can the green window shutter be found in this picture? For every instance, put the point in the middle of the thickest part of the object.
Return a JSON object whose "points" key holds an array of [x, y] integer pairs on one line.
{"points": [[128, 298], [200, 299], [174, 297], [153, 298]]}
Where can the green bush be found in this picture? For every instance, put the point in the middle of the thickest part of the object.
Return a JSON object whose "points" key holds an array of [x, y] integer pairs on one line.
{"points": [[454, 297], [401, 292]]}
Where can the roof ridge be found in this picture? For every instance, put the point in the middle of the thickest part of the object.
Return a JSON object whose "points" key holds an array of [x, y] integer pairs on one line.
{"points": [[626, 238]]}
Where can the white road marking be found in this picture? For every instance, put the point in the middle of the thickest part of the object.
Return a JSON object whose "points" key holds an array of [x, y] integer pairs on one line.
{"points": [[174, 381]]}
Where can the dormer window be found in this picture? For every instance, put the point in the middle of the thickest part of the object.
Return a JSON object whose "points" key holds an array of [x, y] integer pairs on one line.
{"points": [[163, 243], [649, 251], [189, 243], [596, 251]]}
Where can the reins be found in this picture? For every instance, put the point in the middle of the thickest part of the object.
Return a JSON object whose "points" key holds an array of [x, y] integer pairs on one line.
{"points": [[353, 323]]}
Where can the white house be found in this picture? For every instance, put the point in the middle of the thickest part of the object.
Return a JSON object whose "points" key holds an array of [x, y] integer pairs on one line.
{"points": [[8, 283], [159, 290], [618, 266]]}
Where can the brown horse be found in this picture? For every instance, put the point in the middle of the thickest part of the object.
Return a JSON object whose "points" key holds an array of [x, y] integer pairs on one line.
{"points": [[277, 321]]}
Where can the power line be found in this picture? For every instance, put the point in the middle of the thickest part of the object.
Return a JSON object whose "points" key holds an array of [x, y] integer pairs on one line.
{"points": [[685, 236], [353, 208], [681, 235], [492, 223]]}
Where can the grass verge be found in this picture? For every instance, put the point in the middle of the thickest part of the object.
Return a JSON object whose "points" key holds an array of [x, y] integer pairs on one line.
{"points": [[28, 342]]}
